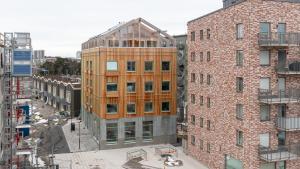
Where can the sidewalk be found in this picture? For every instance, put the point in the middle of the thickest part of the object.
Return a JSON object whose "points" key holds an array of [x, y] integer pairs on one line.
{"points": [[87, 142]]}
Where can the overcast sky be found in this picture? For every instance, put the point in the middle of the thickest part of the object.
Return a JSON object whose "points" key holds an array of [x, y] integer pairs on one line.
{"points": [[60, 26]]}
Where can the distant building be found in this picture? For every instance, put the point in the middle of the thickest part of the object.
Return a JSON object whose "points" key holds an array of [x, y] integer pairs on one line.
{"points": [[38, 57], [78, 55], [51, 59]]}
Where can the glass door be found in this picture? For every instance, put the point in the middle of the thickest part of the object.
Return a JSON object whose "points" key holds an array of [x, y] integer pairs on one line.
{"points": [[281, 59], [281, 30]]}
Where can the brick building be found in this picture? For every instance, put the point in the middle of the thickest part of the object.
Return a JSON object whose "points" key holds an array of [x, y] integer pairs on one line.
{"points": [[244, 85]]}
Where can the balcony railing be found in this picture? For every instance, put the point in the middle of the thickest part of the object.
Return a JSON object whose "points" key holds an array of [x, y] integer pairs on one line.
{"points": [[280, 153], [274, 39], [182, 130], [279, 96], [291, 67], [288, 123]]}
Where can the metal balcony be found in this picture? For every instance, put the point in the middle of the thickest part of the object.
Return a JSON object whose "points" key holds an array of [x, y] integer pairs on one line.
{"points": [[275, 39], [279, 153], [279, 96], [288, 123], [291, 67]]}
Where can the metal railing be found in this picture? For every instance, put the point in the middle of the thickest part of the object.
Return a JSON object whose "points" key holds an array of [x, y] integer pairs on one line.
{"points": [[279, 153], [278, 96], [288, 123], [292, 66], [278, 39]]}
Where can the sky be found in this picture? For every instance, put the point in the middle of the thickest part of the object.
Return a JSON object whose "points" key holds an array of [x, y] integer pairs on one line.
{"points": [[60, 26]]}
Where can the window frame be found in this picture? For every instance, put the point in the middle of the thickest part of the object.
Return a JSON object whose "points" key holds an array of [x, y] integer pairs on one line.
{"points": [[239, 58], [269, 58], [239, 138], [111, 112], [268, 112], [112, 61], [152, 64], [201, 122], [147, 102], [169, 86], [193, 77], [111, 83], [131, 82], [201, 34], [239, 84], [193, 36], [162, 62], [130, 104], [239, 111], [131, 63], [169, 108], [148, 82], [193, 119], [208, 35], [240, 32], [208, 55]]}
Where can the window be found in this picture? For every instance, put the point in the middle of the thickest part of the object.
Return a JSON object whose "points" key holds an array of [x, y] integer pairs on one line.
{"points": [[111, 66], [111, 87], [201, 144], [239, 138], [129, 131], [131, 108], [208, 147], [201, 122], [193, 140], [239, 84], [264, 28], [193, 56], [112, 108], [208, 56], [208, 124], [111, 132], [239, 111], [192, 36], [148, 107], [208, 33], [193, 119], [239, 57], [201, 78], [201, 34], [208, 79], [165, 66], [165, 106], [232, 163], [149, 86], [239, 31], [264, 58], [147, 130], [131, 87], [208, 103], [193, 77], [148, 66], [131, 66], [201, 56], [165, 86], [193, 98], [264, 112], [201, 100], [264, 84]]}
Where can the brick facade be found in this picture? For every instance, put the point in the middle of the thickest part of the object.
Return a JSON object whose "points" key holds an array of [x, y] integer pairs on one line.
{"points": [[220, 42]]}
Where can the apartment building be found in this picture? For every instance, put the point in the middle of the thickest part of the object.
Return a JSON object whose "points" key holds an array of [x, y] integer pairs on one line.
{"points": [[61, 92], [129, 85], [244, 85]]}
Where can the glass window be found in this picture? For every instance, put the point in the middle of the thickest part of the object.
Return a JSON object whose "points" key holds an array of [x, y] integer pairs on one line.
{"points": [[264, 112], [201, 144], [201, 34], [148, 66], [232, 163], [193, 119], [165, 66], [193, 77], [201, 100], [111, 87], [240, 31], [193, 98], [129, 131], [193, 140], [193, 36], [264, 27], [165, 106], [148, 86], [131, 87], [208, 56], [208, 103], [239, 57], [264, 58], [208, 79], [147, 130], [131, 108], [208, 124], [208, 147], [201, 56], [193, 56], [148, 107], [239, 84], [239, 138], [208, 33], [239, 111], [165, 86], [111, 132], [201, 122], [111, 65], [131, 66], [264, 84], [201, 78], [112, 108]]}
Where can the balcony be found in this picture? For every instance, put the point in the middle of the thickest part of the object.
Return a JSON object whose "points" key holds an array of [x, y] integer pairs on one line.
{"points": [[279, 153], [291, 67], [279, 96], [288, 123], [275, 39]]}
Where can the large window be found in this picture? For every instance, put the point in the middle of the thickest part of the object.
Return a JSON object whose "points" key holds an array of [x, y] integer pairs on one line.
{"points": [[239, 138], [112, 108], [208, 124], [201, 78], [131, 108], [208, 148], [264, 58], [193, 57], [239, 57], [193, 36], [193, 77], [193, 140], [208, 56], [201, 34], [112, 132], [239, 31], [201, 122], [232, 163], [201, 144], [264, 112], [111, 87], [131, 87], [165, 106], [193, 98], [148, 107], [129, 131], [208, 33], [165, 86], [208, 80], [111, 65], [239, 111], [239, 84], [147, 130], [201, 101], [149, 86], [148, 66], [193, 119], [165, 66], [264, 84], [265, 28], [131, 66], [201, 56], [208, 103]]}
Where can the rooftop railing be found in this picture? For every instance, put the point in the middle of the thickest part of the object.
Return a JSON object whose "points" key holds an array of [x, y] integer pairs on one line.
{"points": [[292, 66], [279, 96], [278, 39], [279, 153], [288, 123]]}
